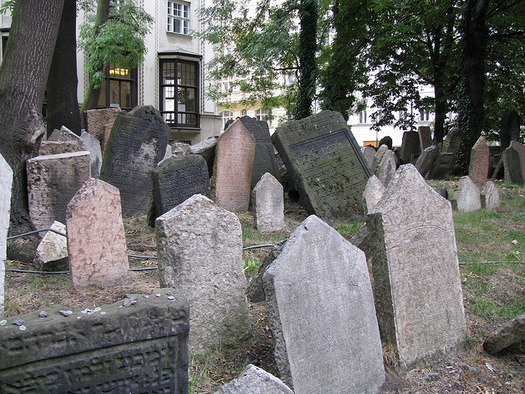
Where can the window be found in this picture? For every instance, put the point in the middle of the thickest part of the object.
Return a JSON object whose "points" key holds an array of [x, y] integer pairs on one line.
{"points": [[362, 116], [263, 115], [226, 116], [424, 116], [179, 90], [119, 88], [178, 17]]}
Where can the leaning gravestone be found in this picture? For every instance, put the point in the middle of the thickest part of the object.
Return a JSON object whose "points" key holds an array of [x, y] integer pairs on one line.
{"points": [[51, 252], [409, 146], [479, 162], [232, 171], [137, 143], [425, 137], [206, 148], [93, 146], [384, 164], [175, 180], [415, 267], [490, 196], [139, 345], [6, 182], [368, 154], [467, 196], [95, 235], [255, 380], [514, 163], [325, 164], [321, 313], [425, 161], [264, 161], [52, 180], [98, 121], [268, 199], [200, 254], [507, 339], [374, 191]]}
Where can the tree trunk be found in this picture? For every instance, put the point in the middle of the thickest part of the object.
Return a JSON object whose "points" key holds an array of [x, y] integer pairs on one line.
{"points": [[23, 76], [62, 82], [440, 108]]}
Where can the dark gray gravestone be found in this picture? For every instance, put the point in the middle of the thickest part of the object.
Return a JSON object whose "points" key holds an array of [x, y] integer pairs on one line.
{"points": [[177, 179], [100, 352], [425, 161], [325, 164], [264, 152], [514, 163], [510, 128], [137, 143], [409, 146]]}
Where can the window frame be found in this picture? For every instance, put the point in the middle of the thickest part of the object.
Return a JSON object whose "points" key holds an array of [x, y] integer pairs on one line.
{"points": [[105, 89], [182, 16]]}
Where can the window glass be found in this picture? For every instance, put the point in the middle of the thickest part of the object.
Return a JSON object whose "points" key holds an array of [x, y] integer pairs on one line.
{"points": [[178, 17]]}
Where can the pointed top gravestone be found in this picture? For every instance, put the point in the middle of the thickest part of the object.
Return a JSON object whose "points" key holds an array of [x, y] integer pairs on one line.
{"points": [[268, 199], [490, 196], [467, 196], [321, 313], [255, 380], [384, 164], [417, 286], [6, 183], [95, 151], [373, 192], [232, 171], [325, 165], [368, 154], [479, 162]]}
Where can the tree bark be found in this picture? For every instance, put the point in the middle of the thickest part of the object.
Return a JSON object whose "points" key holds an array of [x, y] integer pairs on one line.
{"points": [[62, 82], [23, 76]]}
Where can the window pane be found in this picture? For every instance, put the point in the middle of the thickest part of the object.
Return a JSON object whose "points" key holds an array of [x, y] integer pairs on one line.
{"points": [[125, 94], [114, 94]]}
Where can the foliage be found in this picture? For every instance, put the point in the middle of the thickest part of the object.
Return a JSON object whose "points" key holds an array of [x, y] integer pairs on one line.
{"points": [[119, 41], [7, 5]]}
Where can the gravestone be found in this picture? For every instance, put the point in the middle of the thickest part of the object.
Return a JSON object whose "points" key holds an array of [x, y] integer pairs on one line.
{"points": [[409, 146], [93, 146], [61, 141], [417, 286], [507, 339], [510, 128], [374, 190], [426, 160], [368, 154], [467, 196], [232, 171], [206, 148], [321, 313], [490, 196], [138, 345], [384, 164], [264, 161], [425, 137], [137, 143], [255, 380], [175, 180], [199, 246], [99, 123], [64, 134], [52, 181], [95, 235], [325, 165], [268, 199], [514, 163], [51, 253], [6, 183], [452, 141], [479, 162]]}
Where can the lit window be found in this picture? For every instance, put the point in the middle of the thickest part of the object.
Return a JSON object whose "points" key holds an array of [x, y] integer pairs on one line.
{"points": [[119, 88], [263, 115], [178, 17]]}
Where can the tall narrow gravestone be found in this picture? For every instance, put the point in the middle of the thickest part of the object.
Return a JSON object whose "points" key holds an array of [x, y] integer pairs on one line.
{"points": [[232, 170], [95, 235], [268, 197], [6, 182], [514, 163], [325, 164], [415, 267], [479, 162], [200, 254], [52, 180], [321, 313], [137, 143]]}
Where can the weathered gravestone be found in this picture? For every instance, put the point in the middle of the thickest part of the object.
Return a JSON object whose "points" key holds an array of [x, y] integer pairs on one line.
{"points": [[93, 146], [175, 180], [368, 154], [446, 160], [61, 141], [479, 162], [264, 161], [255, 380], [137, 143], [514, 163], [325, 165], [232, 171], [384, 164], [51, 253], [507, 339], [425, 161], [99, 123], [490, 196], [138, 345], [425, 137], [52, 181], [268, 199], [415, 268], [200, 254], [409, 146], [95, 235], [206, 149], [467, 196], [321, 313], [6, 182], [374, 191]]}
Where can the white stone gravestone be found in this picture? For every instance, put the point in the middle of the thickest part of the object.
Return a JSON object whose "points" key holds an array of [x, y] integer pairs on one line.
{"points": [[268, 198]]}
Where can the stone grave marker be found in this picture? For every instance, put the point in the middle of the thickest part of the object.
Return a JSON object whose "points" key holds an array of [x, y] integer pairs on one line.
{"points": [[136, 345], [490, 196], [61, 141], [51, 252], [510, 128], [514, 163], [507, 339], [368, 154], [93, 146], [479, 162], [320, 311], [95, 235], [206, 148], [255, 380], [199, 246], [175, 180], [232, 171], [384, 164], [425, 137], [417, 286], [6, 183], [99, 123], [325, 165], [264, 161], [268, 199], [52, 180], [426, 160], [409, 146], [467, 196], [137, 143], [452, 141], [374, 190]]}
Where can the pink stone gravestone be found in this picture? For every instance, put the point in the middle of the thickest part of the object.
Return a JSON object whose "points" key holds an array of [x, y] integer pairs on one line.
{"points": [[96, 237], [479, 162]]}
